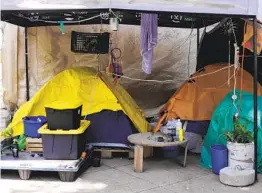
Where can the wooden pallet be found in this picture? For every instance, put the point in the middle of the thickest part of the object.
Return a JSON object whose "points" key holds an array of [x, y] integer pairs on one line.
{"points": [[110, 153], [34, 145], [25, 164]]}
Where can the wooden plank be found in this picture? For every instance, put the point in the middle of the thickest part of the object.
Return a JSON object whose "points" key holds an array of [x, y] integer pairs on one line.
{"points": [[148, 152], [33, 140], [131, 155], [34, 145], [106, 154], [109, 153], [138, 159], [113, 150], [35, 149]]}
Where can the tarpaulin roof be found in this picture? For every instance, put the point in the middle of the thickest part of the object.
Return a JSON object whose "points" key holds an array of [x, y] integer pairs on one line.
{"points": [[172, 13]]}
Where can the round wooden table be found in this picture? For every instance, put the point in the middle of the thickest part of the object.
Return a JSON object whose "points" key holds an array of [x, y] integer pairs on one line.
{"points": [[149, 139]]}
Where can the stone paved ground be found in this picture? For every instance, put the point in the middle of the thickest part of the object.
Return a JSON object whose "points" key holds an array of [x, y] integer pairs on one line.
{"points": [[117, 176]]}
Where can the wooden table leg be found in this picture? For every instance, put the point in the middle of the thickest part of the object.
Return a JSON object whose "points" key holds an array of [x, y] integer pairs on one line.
{"points": [[148, 152], [138, 158]]}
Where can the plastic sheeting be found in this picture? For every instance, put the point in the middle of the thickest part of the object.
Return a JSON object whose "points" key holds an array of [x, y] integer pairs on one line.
{"points": [[222, 121], [49, 53], [80, 84], [243, 7]]}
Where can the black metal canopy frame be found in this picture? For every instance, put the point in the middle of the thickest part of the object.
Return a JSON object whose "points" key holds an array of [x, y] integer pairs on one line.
{"points": [[37, 18]]}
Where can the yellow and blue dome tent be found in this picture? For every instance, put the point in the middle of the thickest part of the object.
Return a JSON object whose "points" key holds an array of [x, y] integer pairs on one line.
{"points": [[95, 91]]}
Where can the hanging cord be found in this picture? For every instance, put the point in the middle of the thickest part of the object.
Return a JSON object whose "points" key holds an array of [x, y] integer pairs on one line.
{"points": [[172, 81], [229, 58], [113, 13], [234, 97], [214, 88], [232, 27], [104, 16], [188, 58], [175, 48], [242, 70]]}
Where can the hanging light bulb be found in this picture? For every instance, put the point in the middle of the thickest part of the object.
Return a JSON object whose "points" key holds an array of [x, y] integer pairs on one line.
{"points": [[113, 23]]}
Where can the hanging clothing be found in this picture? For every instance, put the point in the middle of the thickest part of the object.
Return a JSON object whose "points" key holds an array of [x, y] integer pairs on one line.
{"points": [[148, 40]]}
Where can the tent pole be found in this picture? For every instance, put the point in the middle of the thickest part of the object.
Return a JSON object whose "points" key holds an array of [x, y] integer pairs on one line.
{"points": [[26, 64], [255, 93], [197, 44]]}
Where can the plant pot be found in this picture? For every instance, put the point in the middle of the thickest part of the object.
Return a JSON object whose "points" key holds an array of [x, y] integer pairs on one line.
{"points": [[240, 155]]}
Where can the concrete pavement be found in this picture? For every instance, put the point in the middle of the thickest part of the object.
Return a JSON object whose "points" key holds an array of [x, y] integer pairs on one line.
{"points": [[117, 176]]}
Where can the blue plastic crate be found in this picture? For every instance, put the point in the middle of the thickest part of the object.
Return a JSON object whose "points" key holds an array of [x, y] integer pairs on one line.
{"points": [[32, 124]]}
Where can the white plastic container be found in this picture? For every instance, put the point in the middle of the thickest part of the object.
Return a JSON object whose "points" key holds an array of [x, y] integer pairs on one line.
{"points": [[179, 130], [178, 127], [240, 155]]}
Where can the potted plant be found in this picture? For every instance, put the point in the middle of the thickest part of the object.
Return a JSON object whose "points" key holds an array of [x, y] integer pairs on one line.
{"points": [[240, 147]]}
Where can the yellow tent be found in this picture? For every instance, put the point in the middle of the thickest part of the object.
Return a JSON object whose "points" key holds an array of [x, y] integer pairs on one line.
{"points": [[96, 92]]}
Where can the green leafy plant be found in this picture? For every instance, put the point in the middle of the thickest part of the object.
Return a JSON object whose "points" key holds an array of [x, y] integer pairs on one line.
{"points": [[239, 134]]}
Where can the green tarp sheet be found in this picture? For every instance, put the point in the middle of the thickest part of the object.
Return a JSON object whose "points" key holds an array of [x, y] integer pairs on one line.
{"points": [[222, 121]]}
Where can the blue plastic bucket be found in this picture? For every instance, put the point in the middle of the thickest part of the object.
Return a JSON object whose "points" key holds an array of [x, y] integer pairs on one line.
{"points": [[32, 124], [219, 158]]}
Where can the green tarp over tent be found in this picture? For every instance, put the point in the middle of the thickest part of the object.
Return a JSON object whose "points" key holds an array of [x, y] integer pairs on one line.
{"points": [[222, 121]]}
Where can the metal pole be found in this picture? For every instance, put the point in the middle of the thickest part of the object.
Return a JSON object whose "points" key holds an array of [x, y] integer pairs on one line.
{"points": [[26, 65], [255, 94]]}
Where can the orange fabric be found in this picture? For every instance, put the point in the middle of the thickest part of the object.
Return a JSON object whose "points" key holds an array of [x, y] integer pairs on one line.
{"points": [[248, 37], [196, 100]]}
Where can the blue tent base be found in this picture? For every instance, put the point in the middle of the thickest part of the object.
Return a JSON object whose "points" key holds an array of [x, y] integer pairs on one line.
{"points": [[109, 127]]}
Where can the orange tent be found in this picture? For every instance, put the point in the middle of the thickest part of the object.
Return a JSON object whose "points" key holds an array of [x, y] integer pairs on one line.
{"points": [[198, 97]]}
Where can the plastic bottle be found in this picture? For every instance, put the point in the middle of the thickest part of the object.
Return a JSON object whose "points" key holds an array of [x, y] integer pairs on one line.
{"points": [[181, 134], [180, 131], [15, 149], [177, 131]]}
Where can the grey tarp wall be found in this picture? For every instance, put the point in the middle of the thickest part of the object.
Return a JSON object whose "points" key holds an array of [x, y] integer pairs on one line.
{"points": [[49, 53]]}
